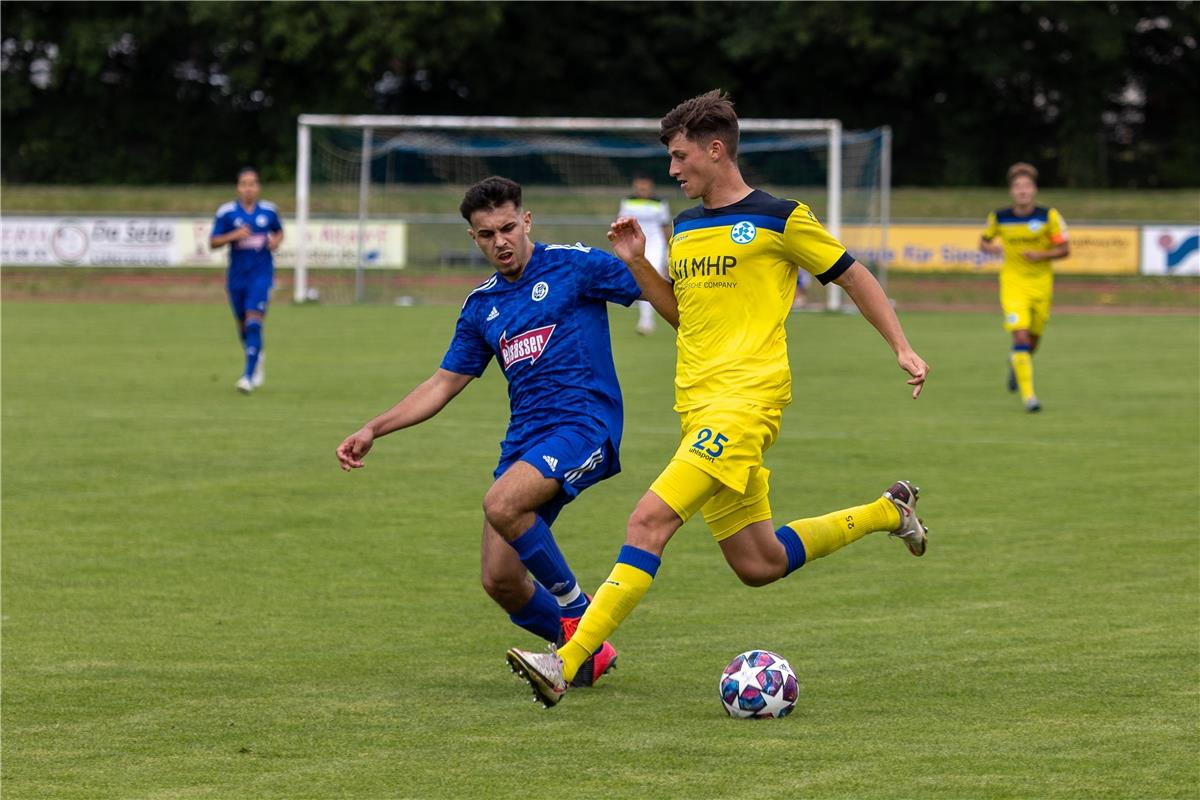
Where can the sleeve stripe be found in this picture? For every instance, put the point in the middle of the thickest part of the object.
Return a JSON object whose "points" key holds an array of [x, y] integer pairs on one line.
{"points": [[833, 273]]}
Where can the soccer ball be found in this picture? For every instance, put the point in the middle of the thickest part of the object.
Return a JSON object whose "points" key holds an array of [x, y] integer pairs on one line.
{"points": [[758, 684]]}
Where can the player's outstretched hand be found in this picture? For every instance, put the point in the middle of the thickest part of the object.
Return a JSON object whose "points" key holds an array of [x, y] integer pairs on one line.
{"points": [[350, 453], [628, 240], [915, 366]]}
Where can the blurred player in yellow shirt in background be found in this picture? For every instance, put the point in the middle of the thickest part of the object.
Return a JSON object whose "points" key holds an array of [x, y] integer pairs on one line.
{"points": [[1030, 237]]}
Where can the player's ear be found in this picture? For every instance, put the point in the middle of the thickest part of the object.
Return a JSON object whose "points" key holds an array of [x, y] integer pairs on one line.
{"points": [[528, 220], [471, 233]]}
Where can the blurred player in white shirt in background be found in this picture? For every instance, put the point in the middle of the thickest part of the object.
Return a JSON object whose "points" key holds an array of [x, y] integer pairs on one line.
{"points": [[653, 214]]}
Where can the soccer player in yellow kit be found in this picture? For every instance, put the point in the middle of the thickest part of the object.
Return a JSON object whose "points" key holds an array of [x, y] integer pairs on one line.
{"points": [[733, 266], [1031, 236]]}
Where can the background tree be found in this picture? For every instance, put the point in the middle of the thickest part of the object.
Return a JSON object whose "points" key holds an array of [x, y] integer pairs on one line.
{"points": [[1096, 93]]}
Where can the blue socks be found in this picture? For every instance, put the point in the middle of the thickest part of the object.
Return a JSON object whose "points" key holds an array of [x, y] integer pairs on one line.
{"points": [[540, 615], [540, 554], [253, 341], [794, 547]]}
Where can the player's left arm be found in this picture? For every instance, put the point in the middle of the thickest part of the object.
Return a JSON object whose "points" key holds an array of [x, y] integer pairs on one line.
{"points": [[868, 295], [275, 234]]}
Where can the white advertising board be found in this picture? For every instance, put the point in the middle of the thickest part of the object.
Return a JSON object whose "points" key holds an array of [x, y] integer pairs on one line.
{"points": [[1171, 250], [167, 242]]}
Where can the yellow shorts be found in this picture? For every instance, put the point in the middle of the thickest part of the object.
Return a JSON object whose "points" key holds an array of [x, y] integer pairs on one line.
{"points": [[1024, 308], [719, 466]]}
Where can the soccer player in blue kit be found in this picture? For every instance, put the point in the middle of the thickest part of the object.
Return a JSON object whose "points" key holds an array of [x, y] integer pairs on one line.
{"points": [[253, 232], [543, 316]]}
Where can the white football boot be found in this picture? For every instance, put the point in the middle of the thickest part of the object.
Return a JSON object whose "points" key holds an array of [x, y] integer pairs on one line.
{"points": [[244, 385], [542, 671], [911, 531]]}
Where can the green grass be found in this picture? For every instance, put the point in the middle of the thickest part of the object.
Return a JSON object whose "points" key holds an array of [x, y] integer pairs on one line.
{"points": [[915, 203], [198, 604]]}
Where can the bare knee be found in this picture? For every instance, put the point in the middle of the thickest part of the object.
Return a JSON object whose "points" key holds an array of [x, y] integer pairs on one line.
{"points": [[505, 515]]}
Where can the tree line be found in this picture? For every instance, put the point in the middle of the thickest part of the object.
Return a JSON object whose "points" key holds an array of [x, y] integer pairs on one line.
{"points": [[1096, 93]]}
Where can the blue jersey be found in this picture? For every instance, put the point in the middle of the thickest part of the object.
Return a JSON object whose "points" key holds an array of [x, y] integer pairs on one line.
{"points": [[549, 333], [250, 257]]}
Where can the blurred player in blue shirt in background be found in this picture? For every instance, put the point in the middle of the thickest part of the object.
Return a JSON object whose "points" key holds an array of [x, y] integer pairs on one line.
{"points": [[543, 316], [252, 230]]}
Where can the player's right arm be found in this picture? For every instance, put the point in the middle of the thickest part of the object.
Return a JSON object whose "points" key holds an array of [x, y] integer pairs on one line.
{"points": [[423, 402], [223, 232], [987, 241], [629, 245]]}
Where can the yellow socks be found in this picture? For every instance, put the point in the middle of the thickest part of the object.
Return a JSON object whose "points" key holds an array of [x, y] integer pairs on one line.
{"points": [[1022, 365], [616, 597], [822, 535]]}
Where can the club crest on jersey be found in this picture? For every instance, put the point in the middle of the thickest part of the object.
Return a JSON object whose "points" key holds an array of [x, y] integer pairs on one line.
{"points": [[1035, 225], [743, 232], [540, 290], [527, 346]]}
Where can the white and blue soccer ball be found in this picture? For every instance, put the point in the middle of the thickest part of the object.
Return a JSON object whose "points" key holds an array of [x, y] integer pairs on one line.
{"points": [[759, 684]]}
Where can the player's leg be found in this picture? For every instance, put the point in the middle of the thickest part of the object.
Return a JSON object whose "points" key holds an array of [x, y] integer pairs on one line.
{"points": [[506, 581], [1021, 359], [678, 493], [1018, 318], [237, 293], [256, 299], [511, 507], [759, 553]]}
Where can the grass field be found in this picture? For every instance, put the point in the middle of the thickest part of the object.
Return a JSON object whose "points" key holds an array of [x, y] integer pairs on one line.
{"points": [[908, 203], [198, 604]]}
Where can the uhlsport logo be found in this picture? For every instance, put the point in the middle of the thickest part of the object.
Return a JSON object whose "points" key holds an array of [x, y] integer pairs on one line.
{"points": [[743, 232], [527, 346]]}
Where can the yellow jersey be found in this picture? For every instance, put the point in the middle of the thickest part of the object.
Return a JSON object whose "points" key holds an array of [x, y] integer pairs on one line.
{"points": [[1042, 229], [734, 272]]}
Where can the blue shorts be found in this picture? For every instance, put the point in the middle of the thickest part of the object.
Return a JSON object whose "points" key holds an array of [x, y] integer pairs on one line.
{"points": [[575, 457], [249, 294]]}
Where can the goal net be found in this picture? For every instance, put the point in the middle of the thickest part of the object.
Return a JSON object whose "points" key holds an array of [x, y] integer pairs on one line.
{"points": [[388, 188]]}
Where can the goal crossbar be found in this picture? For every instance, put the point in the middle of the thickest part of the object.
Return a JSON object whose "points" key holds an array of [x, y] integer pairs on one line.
{"points": [[367, 122]]}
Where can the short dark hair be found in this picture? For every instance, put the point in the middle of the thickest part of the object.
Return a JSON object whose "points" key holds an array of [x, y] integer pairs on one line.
{"points": [[703, 118], [246, 169], [1022, 168], [490, 193]]}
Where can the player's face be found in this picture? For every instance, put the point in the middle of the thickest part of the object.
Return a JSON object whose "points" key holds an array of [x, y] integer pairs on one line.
{"points": [[248, 188], [692, 165], [502, 235], [643, 187], [1023, 190]]}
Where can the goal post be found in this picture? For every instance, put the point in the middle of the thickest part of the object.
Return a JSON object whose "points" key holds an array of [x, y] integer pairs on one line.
{"points": [[369, 161]]}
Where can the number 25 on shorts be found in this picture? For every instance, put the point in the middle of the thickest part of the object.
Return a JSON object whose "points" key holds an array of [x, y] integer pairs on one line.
{"points": [[718, 442]]}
